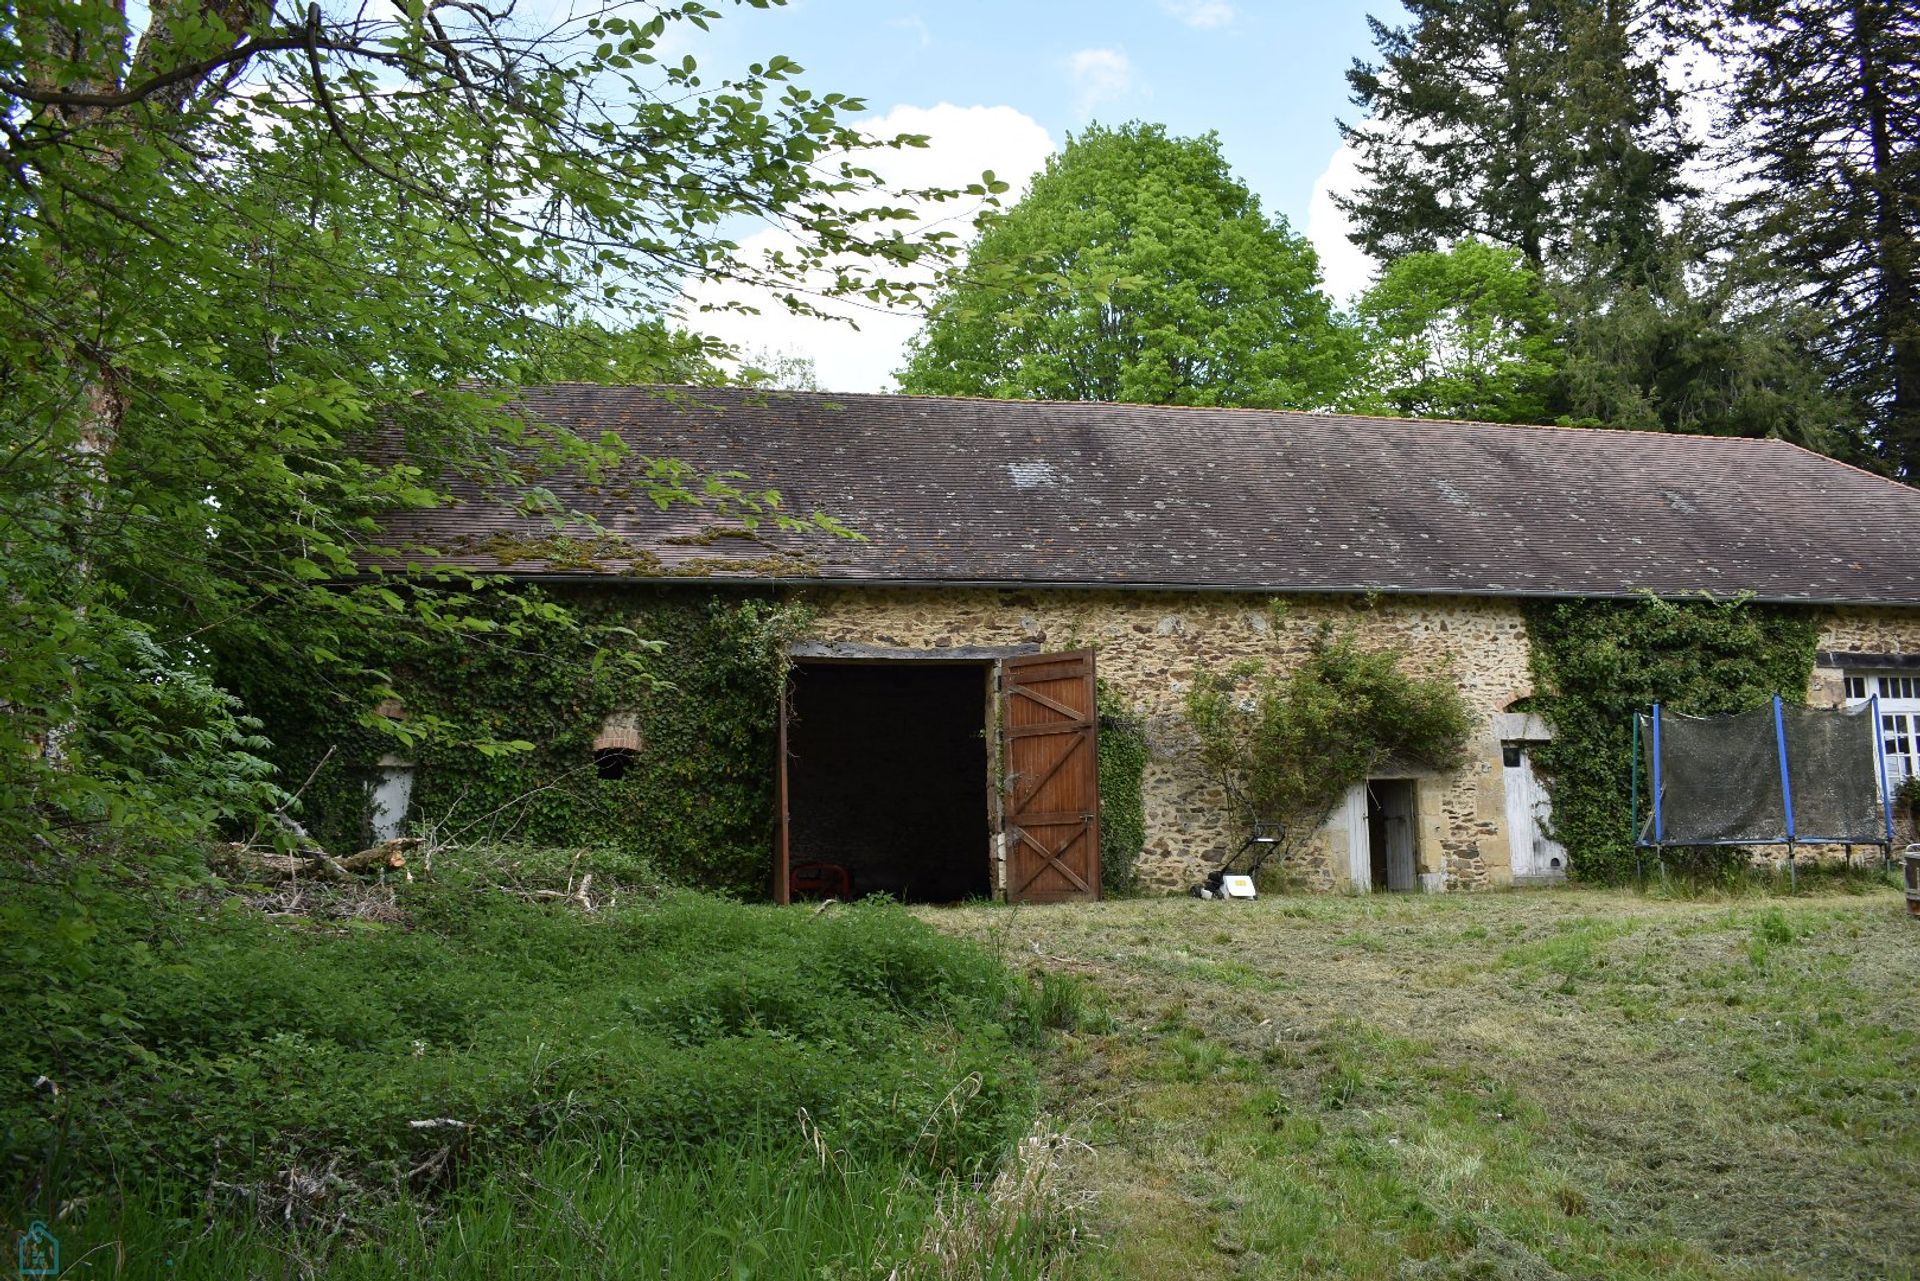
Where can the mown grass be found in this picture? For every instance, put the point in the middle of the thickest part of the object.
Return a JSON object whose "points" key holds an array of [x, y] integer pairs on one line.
{"points": [[1527, 1085], [471, 1079]]}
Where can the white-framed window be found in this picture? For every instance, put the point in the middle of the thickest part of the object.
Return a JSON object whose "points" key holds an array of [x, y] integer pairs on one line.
{"points": [[1899, 718], [1904, 689]]}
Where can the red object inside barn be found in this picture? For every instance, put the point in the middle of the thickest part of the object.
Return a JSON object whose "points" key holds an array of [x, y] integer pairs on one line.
{"points": [[819, 880]]}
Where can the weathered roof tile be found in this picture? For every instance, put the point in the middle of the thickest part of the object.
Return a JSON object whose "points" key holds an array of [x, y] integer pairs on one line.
{"points": [[1073, 494]]}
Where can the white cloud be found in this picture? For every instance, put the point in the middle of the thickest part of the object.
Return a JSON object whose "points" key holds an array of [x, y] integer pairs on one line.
{"points": [[1204, 14], [917, 27], [1099, 76], [1345, 268], [962, 142]]}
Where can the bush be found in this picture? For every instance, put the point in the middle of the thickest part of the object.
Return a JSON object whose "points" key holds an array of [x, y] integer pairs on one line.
{"points": [[500, 720], [1287, 748]]}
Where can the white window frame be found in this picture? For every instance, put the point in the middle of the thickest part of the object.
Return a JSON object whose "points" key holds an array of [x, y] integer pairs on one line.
{"points": [[1899, 694]]}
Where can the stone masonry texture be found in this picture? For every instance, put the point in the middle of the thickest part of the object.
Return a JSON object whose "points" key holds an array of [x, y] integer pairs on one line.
{"points": [[1149, 646]]}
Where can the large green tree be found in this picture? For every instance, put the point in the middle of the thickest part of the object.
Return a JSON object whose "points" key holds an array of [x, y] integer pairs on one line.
{"points": [[1462, 333], [1826, 110], [1697, 348], [246, 249], [1136, 268]]}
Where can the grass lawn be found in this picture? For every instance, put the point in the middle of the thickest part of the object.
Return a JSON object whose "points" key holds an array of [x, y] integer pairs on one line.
{"points": [[1520, 1085]]}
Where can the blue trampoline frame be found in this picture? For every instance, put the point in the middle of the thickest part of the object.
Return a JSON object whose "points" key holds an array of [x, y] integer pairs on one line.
{"points": [[1793, 837]]}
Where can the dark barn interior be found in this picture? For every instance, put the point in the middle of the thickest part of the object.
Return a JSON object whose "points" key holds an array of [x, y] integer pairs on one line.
{"points": [[887, 777]]}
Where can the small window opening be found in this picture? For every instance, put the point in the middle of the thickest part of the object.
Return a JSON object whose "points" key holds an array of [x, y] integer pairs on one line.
{"points": [[617, 745], [390, 795], [613, 762]]}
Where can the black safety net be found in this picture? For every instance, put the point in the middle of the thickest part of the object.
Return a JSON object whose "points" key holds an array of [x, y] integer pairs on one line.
{"points": [[1720, 778], [1834, 769]]}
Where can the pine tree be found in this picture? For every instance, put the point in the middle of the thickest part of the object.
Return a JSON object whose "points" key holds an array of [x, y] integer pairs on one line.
{"points": [[1688, 350], [1827, 106], [1553, 127], [1537, 125]]}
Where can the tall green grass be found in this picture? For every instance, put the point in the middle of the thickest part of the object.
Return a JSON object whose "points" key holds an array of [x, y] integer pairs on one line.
{"points": [[1684, 882], [485, 1076], [765, 1208]]}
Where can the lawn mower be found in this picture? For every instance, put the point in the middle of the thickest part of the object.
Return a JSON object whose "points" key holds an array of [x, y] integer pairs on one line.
{"points": [[1225, 882]]}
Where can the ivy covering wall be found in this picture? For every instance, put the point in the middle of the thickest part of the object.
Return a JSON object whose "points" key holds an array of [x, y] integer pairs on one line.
{"points": [[1596, 663], [695, 801], [1123, 808]]}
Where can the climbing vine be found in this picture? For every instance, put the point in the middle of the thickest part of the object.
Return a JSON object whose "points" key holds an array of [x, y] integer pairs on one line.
{"points": [[1596, 663], [1123, 811], [500, 728], [1286, 748]]}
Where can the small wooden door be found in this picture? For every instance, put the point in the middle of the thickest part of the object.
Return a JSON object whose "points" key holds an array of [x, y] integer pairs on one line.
{"points": [[1050, 758], [1396, 810], [1532, 855]]}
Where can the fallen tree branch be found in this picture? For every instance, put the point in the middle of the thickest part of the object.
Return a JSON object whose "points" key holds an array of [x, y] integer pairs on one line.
{"points": [[315, 862]]}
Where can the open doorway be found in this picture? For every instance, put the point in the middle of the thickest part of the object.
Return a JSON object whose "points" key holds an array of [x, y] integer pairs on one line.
{"points": [[1390, 845], [887, 782]]}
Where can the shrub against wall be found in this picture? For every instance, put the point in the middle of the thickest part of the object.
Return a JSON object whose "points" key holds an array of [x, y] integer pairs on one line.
{"points": [[1285, 748], [702, 671], [1123, 808], [1596, 663]]}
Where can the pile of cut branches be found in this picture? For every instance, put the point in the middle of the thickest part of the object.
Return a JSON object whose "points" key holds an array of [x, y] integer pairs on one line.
{"points": [[244, 862]]}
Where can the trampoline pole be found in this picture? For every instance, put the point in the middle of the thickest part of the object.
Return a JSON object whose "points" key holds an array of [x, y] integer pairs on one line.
{"points": [[1886, 793], [1659, 828], [1786, 790], [1639, 873], [1659, 821]]}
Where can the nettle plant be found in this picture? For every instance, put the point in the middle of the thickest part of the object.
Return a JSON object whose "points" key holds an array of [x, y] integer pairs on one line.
{"points": [[1286, 747]]}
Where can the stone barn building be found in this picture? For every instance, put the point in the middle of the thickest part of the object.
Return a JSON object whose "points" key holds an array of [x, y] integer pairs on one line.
{"points": [[1009, 553]]}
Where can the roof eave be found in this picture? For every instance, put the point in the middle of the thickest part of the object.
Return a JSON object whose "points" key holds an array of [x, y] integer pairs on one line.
{"points": [[1237, 589]]}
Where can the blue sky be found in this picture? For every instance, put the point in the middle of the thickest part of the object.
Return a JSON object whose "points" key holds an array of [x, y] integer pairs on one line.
{"points": [[997, 84]]}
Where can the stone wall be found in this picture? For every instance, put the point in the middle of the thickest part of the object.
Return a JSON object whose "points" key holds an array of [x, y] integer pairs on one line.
{"points": [[1860, 630], [1149, 647]]}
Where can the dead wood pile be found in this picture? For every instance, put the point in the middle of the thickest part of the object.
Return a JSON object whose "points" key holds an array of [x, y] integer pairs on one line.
{"points": [[250, 863]]}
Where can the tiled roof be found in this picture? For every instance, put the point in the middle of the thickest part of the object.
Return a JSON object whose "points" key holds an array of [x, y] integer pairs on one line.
{"points": [[1071, 494]]}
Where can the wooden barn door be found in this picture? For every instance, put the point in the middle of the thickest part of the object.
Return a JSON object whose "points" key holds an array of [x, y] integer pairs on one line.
{"points": [[1050, 754]]}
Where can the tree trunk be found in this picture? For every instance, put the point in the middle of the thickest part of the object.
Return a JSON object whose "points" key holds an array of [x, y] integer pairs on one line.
{"points": [[68, 63]]}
